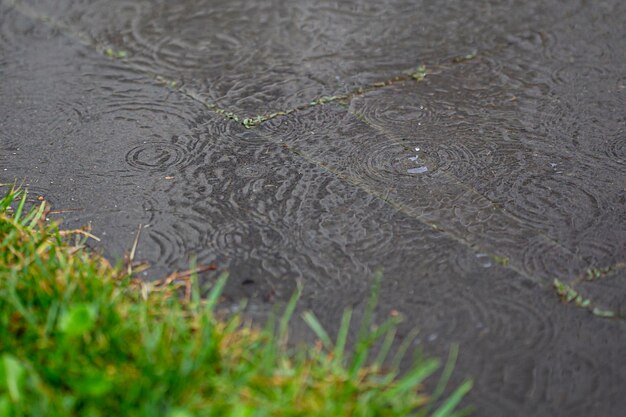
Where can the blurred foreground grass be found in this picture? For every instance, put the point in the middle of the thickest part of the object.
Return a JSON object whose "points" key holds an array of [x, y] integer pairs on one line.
{"points": [[79, 337]]}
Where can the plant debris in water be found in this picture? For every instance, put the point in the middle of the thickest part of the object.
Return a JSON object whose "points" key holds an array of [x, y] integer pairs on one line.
{"points": [[117, 54], [502, 260], [466, 57], [79, 337], [569, 295], [418, 74]]}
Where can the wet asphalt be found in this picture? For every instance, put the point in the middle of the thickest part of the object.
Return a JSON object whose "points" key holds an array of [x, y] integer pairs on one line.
{"points": [[301, 142]]}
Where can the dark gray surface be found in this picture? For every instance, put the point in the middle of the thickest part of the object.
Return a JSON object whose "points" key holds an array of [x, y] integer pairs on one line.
{"points": [[260, 56], [524, 149]]}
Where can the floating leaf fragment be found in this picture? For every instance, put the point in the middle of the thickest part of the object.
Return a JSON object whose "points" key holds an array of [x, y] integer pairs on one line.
{"points": [[419, 74]]}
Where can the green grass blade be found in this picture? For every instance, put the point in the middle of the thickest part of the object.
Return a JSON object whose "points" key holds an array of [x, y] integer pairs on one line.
{"points": [[195, 284], [342, 335], [450, 404], [385, 348], [447, 372], [8, 199], [20, 208], [317, 328], [35, 215], [414, 377], [283, 326], [372, 302], [216, 291], [404, 347]]}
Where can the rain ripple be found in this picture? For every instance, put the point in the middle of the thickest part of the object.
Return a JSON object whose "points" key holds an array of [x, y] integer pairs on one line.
{"points": [[353, 151], [560, 187], [264, 56]]}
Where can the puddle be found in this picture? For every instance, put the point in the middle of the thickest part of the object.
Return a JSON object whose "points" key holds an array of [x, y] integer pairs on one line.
{"points": [[293, 58], [514, 182]]}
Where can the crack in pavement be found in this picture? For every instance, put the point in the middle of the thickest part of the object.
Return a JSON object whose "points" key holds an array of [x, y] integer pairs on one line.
{"points": [[178, 86]]}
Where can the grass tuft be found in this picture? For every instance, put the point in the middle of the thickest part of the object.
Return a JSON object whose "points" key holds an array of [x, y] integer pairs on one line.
{"points": [[80, 337]]}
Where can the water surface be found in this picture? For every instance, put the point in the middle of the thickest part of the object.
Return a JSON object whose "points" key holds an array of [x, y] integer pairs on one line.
{"points": [[473, 188]]}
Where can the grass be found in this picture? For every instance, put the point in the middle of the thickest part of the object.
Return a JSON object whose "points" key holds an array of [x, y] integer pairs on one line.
{"points": [[80, 337]]}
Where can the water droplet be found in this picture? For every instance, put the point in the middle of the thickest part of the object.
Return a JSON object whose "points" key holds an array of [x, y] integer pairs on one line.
{"points": [[484, 260], [418, 170]]}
